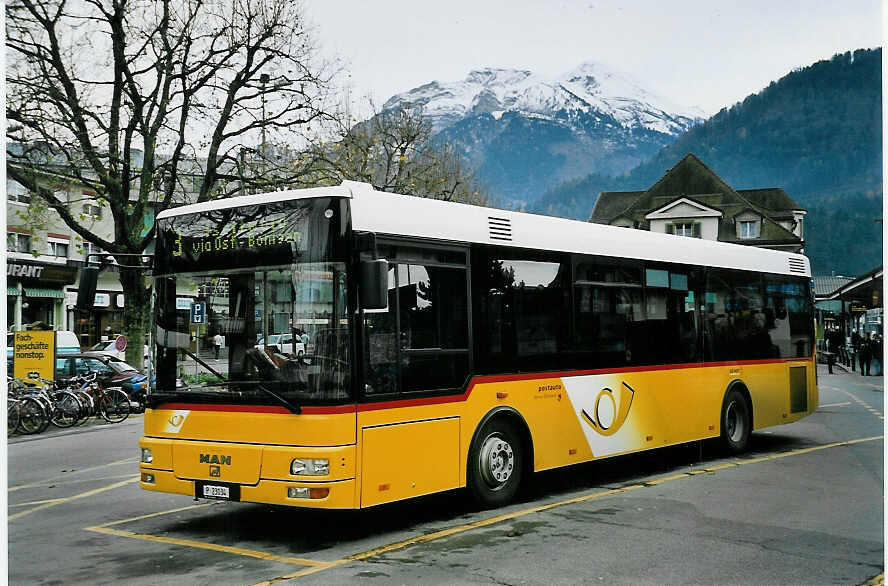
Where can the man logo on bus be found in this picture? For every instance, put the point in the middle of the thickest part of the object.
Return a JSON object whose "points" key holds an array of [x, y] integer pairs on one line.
{"points": [[610, 410]]}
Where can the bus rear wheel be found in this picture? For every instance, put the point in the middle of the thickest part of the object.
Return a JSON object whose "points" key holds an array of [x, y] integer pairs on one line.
{"points": [[736, 422], [496, 463]]}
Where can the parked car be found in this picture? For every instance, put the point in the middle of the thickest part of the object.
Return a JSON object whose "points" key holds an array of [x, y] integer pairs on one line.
{"points": [[284, 343], [110, 370], [110, 348]]}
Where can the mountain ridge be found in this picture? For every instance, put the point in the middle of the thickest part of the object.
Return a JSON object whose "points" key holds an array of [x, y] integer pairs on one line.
{"points": [[816, 133], [525, 132]]}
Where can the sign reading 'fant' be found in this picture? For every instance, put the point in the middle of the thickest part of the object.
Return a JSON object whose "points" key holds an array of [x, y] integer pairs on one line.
{"points": [[34, 355]]}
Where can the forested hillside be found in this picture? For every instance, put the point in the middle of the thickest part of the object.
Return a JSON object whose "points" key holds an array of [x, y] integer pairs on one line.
{"points": [[817, 133]]}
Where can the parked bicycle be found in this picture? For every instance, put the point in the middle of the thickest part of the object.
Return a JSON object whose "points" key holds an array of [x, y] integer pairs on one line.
{"points": [[111, 404]]}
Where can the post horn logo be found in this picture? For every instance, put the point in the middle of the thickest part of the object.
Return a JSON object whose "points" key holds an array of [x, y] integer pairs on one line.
{"points": [[611, 410], [176, 419]]}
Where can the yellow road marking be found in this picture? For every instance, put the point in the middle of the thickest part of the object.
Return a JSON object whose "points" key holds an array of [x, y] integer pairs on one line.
{"points": [[69, 474], [523, 512], [37, 502], [315, 566], [876, 580], [73, 498], [149, 515], [203, 545]]}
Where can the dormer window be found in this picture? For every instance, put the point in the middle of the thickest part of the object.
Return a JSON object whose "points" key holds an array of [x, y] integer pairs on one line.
{"points": [[748, 229], [689, 229]]}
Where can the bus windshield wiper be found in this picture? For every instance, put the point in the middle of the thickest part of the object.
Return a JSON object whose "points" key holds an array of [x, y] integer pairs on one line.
{"points": [[293, 408], [202, 363]]}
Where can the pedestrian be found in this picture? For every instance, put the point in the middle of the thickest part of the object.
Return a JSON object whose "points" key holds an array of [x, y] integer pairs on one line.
{"points": [[876, 352], [218, 340], [855, 347], [865, 354], [304, 337]]}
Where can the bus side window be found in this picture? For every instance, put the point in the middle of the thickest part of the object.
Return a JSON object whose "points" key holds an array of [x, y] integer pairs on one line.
{"points": [[737, 317], [381, 344], [609, 314], [433, 312]]}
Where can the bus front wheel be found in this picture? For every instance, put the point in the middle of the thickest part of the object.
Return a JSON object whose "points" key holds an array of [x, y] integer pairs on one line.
{"points": [[736, 422], [496, 463]]}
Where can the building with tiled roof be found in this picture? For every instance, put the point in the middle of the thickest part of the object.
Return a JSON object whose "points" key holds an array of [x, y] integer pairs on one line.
{"points": [[691, 200]]}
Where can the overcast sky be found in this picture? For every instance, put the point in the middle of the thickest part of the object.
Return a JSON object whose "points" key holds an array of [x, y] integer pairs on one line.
{"points": [[709, 53]]}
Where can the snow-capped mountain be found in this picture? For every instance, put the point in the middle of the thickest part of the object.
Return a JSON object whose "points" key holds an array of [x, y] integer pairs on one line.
{"points": [[526, 132], [587, 89]]}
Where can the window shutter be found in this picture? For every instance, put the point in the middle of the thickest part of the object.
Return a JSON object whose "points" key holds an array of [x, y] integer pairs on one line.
{"points": [[696, 230], [670, 229]]}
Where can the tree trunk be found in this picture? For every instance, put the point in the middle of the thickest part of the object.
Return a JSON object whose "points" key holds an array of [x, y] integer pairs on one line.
{"points": [[136, 313]]}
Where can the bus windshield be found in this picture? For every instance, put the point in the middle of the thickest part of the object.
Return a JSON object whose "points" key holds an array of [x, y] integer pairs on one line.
{"points": [[269, 334]]}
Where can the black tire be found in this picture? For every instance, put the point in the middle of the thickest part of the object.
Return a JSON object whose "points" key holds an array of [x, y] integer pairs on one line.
{"points": [[13, 416], [32, 416], [736, 422], [114, 406], [67, 410], [496, 463], [87, 406], [47, 411]]}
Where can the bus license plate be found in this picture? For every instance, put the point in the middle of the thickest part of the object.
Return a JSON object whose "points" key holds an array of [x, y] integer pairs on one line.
{"points": [[222, 492], [216, 492]]}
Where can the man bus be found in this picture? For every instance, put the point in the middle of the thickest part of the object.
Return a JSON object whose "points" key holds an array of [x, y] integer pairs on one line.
{"points": [[453, 346]]}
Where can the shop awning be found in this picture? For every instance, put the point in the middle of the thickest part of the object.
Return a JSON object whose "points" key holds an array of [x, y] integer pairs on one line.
{"points": [[54, 293], [12, 291]]}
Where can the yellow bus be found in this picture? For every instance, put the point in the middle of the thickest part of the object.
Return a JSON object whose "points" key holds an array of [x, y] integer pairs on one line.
{"points": [[444, 346]]}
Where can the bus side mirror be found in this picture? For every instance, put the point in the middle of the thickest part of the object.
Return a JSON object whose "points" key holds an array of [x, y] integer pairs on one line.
{"points": [[374, 284], [86, 289]]}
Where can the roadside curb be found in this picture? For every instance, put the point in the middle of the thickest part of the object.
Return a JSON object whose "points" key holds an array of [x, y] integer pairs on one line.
{"points": [[135, 419]]}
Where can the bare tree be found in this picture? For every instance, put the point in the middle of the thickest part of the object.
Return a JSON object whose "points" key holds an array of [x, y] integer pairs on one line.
{"points": [[395, 151], [118, 96]]}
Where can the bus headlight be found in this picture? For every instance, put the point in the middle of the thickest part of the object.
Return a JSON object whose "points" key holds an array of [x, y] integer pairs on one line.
{"points": [[310, 467], [147, 457]]}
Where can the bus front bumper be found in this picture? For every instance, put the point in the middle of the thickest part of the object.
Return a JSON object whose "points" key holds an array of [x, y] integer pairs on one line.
{"points": [[339, 494]]}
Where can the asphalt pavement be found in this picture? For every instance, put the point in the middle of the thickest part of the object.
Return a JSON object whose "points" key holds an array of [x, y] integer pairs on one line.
{"points": [[804, 506]]}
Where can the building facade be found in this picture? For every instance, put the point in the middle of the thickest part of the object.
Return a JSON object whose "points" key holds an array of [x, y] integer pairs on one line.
{"points": [[691, 200]]}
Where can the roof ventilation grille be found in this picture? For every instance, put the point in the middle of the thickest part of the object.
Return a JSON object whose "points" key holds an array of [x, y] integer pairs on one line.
{"points": [[797, 265], [500, 228]]}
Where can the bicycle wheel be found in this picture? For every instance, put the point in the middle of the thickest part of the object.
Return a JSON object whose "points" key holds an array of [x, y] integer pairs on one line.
{"points": [[12, 416], [66, 411], [32, 416], [114, 405], [87, 405]]}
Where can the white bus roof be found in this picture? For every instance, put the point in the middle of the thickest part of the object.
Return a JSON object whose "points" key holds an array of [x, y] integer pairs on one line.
{"points": [[403, 215]]}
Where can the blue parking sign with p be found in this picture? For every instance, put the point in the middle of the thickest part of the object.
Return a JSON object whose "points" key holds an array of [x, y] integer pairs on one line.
{"points": [[199, 313]]}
